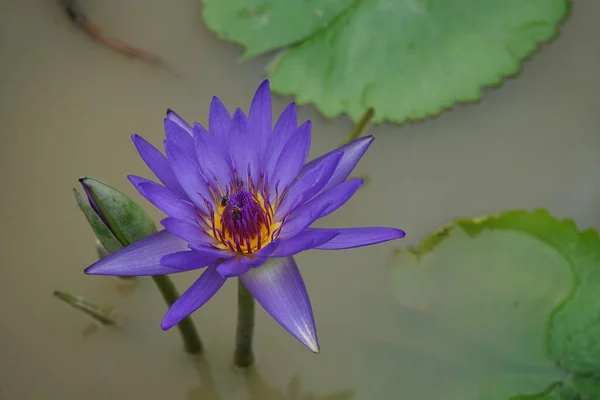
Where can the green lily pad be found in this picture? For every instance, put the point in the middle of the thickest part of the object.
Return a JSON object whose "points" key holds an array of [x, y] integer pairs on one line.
{"points": [[262, 26], [406, 59], [499, 308]]}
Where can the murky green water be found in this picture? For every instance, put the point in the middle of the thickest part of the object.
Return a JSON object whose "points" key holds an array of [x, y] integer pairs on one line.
{"points": [[67, 108]]}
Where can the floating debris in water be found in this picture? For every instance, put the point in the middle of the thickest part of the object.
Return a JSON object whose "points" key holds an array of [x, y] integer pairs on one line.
{"points": [[79, 18], [103, 315]]}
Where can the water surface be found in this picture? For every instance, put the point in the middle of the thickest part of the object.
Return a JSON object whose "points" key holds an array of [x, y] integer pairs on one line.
{"points": [[67, 108]]}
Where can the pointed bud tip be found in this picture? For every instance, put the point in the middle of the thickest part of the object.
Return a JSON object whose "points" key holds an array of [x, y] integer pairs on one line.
{"points": [[311, 341], [368, 138], [88, 182], [314, 347], [87, 188]]}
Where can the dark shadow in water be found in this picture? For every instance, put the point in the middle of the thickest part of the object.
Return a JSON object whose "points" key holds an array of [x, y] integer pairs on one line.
{"points": [[258, 389]]}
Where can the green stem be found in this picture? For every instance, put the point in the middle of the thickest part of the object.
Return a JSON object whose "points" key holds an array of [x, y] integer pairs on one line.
{"points": [[191, 340], [244, 357], [361, 126]]}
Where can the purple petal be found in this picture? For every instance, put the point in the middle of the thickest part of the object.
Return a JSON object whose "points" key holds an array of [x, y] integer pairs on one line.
{"points": [[302, 218], [138, 180], [268, 249], [308, 213], [239, 265], [168, 202], [187, 231], [244, 148], [260, 119], [348, 238], [353, 152], [214, 164], [173, 116], [343, 191], [235, 266], [285, 127], [291, 159], [195, 297], [179, 137], [218, 119], [141, 258], [188, 260], [307, 185], [189, 176], [306, 240], [157, 163], [278, 287]]}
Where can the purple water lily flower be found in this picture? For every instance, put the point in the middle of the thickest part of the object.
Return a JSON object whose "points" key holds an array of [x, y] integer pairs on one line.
{"points": [[240, 200]]}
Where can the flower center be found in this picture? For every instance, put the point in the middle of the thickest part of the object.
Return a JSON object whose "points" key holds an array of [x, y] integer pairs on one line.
{"points": [[243, 221]]}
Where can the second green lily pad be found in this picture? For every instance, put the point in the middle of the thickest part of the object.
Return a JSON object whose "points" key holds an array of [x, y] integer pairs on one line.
{"points": [[498, 308]]}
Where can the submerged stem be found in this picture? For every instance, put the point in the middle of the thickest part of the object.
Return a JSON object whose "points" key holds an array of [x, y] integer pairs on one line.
{"points": [[189, 334], [244, 356]]}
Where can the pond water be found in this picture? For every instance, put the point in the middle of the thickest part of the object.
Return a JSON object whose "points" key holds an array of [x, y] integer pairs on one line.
{"points": [[67, 107]]}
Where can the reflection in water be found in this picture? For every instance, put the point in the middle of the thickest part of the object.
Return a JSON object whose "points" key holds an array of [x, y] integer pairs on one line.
{"points": [[89, 330], [207, 389], [125, 287], [258, 388]]}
